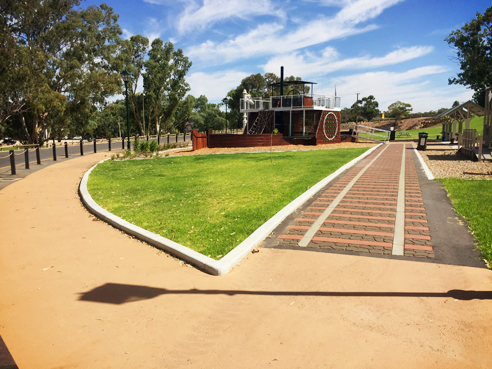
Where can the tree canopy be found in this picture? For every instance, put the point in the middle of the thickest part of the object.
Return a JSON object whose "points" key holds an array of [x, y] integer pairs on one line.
{"points": [[367, 107], [473, 44], [399, 110], [59, 63]]}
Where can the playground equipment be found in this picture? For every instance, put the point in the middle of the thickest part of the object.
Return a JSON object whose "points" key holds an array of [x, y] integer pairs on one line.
{"points": [[452, 119], [299, 118], [487, 120]]}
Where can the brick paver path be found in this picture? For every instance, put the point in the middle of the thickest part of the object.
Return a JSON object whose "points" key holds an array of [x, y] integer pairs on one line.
{"points": [[376, 207]]}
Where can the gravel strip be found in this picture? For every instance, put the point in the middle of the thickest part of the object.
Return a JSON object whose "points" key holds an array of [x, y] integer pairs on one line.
{"points": [[445, 162]]}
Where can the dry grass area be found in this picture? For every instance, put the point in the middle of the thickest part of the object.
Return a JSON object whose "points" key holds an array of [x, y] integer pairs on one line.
{"points": [[231, 150], [445, 162]]}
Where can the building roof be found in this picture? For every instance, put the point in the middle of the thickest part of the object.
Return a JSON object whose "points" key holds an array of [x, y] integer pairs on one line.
{"points": [[462, 110], [286, 83]]}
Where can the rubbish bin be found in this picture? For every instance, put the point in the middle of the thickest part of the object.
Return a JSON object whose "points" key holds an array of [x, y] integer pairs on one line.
{"points": [[422, 145]]}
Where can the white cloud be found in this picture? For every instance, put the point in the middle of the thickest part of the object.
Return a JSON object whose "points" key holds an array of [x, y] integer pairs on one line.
{"points": [[215, 85], [199, 16], [274, 38], [310, 64], [415, 86], [152, 30], [126, 34]]}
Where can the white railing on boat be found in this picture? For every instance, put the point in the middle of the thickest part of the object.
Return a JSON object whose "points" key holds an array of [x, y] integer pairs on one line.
{"points": [[291, 102]]}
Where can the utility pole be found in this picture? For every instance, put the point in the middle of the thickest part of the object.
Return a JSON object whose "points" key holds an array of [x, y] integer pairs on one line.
{"points": [[357, 102]]}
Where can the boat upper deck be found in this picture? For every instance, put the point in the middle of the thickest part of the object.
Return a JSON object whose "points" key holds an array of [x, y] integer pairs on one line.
{"points": [[290, 102]]}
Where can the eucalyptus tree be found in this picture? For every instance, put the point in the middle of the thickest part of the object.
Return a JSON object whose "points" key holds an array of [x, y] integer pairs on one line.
{"points": [[66, 62], [399, 110], [134, 51], [183, 112], [164, 82], [367, 107]]}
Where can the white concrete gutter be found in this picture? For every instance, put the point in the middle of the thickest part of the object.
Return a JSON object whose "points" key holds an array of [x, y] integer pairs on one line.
{"points": [[202, 262]]}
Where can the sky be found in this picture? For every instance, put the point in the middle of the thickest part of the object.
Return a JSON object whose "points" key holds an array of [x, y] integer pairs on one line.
{"points": [[392, 49]]}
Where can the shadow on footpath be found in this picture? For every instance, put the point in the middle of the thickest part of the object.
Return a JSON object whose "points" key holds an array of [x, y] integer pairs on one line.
{"points": [[6, 360], [115, 293]]}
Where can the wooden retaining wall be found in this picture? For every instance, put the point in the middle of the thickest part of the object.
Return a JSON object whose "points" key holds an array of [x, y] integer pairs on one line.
{"points": [[199, 140], [228, 140]]}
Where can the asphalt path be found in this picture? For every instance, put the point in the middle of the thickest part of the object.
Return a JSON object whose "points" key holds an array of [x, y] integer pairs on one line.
{"points": [[47, 156]]}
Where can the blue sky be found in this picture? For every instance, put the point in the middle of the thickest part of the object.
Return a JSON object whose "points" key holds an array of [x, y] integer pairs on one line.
{"points": [[392, 49]]}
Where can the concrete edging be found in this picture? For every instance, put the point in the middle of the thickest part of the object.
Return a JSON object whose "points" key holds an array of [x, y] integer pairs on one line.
{"points": [[202, 262], [427, 171]]}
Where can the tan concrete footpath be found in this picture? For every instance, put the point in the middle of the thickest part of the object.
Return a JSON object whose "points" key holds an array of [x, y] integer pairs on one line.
{"points": [[76, 293]]}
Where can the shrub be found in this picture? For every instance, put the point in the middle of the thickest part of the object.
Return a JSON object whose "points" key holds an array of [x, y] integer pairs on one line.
{"points": [[144, 147], [154, 146], [137, 146]]}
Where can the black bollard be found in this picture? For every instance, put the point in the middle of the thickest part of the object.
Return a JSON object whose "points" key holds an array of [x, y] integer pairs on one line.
{"points": [[12, 162], [168, 138], [177, 137], [95, 150], [66, 150], [122, 143], [159, 139], [184, 136], [109, 144], [38, 155], [26, 157], [54, 151], [81, 148]]}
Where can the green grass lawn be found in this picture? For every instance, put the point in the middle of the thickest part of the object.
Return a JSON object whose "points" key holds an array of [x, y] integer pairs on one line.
{"points": [[210, 203], [472, 200], [475, 123]]}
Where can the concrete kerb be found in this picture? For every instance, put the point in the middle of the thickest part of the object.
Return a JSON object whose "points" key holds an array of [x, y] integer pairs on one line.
{"points": [[202, 262], [427, 171]]}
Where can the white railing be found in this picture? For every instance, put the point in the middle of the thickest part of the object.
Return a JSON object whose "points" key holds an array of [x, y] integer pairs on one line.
{"points": [[291, 102], [371, 133], [250, 104]]}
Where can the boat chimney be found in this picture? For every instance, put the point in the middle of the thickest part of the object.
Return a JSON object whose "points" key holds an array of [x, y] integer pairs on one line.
{"points": [[281, 81]]}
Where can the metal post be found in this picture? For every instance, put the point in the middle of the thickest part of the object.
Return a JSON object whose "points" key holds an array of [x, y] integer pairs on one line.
{"points": [[109, 144], [127, 116], [184, 136], [26, 157], [123, 143], [54, 151], [66, 150], [38, 155], [81, 147], [95, 150], [12, 162], [143, 115], [176, 137], [168, 138]]}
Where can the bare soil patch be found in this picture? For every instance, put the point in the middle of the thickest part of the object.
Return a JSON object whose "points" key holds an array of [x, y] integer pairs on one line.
{"points": [[233, 150]]}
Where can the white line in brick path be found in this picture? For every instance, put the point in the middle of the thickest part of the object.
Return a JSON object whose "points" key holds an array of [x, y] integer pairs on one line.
{"points": [[399, 235], [319, 222]]}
